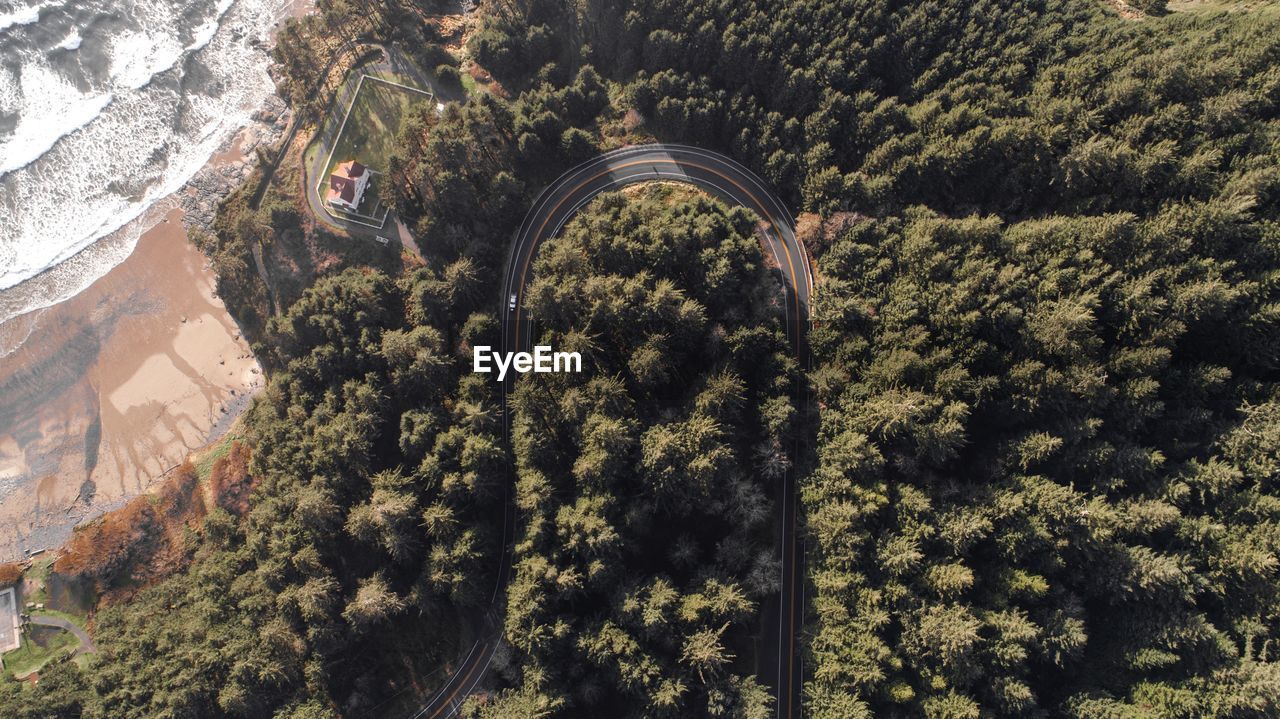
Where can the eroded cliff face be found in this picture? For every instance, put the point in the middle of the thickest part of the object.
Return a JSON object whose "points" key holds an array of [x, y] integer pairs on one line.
{"points": [[125, 550]]}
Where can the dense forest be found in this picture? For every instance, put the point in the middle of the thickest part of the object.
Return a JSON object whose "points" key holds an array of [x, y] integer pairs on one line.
{"points": [[1047, 468], [1045, 426], [1048, 435], [645, 547]]}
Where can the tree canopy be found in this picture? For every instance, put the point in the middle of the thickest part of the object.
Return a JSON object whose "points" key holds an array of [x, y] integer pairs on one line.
{"points": [[1044, 427]]}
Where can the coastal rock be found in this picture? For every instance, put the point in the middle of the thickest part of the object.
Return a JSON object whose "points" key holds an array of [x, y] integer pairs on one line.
{"points": [[199, 199]]}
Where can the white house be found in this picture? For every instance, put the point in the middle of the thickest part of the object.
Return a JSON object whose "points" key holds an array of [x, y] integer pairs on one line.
{"points": [[347, 185]]}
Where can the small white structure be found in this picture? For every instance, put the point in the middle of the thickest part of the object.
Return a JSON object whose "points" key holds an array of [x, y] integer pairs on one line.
{"points": [[10, 628], [347, 185]]}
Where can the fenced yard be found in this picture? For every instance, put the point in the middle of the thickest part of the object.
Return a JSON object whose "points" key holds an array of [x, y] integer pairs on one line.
{"points": [[367, 135]]}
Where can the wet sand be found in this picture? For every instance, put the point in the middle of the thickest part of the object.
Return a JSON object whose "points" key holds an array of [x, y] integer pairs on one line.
{"points": [[113, 388]]}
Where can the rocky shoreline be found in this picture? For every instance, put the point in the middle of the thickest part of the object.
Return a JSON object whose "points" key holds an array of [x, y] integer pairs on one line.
{"points": [[233, 165]]}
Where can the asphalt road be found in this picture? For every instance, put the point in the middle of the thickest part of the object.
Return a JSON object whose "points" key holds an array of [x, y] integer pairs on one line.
{"points": [[780, 665]]}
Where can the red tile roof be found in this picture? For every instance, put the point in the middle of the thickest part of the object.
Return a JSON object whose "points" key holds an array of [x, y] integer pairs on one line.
{"points": [[342, 183], [351, 169]]}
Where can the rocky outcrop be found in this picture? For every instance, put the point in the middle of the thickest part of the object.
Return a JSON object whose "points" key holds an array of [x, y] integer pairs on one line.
{"points": [[199, 199]]}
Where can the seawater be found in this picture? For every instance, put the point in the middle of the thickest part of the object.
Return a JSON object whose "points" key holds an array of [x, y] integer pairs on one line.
{"points": [[106, 107]]}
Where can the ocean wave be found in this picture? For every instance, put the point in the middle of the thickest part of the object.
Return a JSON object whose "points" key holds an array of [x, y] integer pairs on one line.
{"points": [[206, 32], [112, 191], [87, 164], [71, 42], [136, 58], [14, 333], [142, 57], [10, 97], [53, 109]]}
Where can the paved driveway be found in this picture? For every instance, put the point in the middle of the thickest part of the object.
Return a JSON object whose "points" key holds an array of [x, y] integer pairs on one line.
{"points": [[86, 642]]}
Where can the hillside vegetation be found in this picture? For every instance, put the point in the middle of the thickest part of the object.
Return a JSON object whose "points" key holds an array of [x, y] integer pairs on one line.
{"points": [[1045, 428]]}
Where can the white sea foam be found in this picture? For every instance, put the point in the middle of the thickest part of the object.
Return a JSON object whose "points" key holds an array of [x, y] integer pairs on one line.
{"points": [[10, 98], [92, 152], [205, 32], [52, 109], [71, 42], [15, 332], [138, 57], [25, 15]]}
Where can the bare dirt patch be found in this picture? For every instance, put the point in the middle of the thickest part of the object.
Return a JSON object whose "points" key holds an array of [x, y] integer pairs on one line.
{"points": [[1126, 10], [454, 31]]}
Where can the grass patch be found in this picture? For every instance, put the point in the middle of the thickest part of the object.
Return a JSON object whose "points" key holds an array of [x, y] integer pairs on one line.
{"points": [[374, 121], [204, 464], [36, 577], [468, 83], [313, 149], [31, 657], [394, 77]]}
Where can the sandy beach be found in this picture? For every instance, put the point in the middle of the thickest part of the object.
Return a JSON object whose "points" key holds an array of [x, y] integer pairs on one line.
{"points": [[109, 390], [113, 388]]}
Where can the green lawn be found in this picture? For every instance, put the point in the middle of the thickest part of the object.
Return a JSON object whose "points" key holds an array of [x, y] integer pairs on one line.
{"points": [[30, 657], [468, 83], [373, 122]]}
